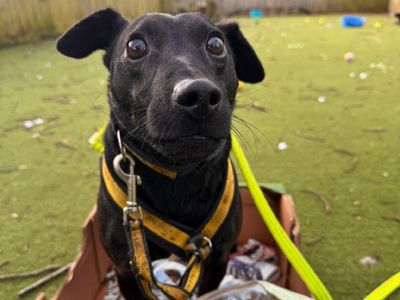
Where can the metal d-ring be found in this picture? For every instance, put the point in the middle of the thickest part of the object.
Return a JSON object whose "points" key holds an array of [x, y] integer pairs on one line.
{"points": [[209, 245], [195, 244]]}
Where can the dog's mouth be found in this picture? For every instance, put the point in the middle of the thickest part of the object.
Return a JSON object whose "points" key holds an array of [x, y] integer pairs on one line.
{"points": [[190, 149], [190, 139]]}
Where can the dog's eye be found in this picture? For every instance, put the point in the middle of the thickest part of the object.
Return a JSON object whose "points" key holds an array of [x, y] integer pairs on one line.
{"points": [[215, 46], [136, 48]]}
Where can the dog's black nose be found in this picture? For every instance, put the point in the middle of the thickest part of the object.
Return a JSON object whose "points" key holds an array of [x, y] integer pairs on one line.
{"points": [[197, 96]]}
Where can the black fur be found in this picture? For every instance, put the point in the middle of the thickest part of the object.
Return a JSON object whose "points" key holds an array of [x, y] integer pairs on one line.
{"points": [[177, 126]]}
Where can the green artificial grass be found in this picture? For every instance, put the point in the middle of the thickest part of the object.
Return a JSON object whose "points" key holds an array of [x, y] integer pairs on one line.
{"points": [[347, 148]]}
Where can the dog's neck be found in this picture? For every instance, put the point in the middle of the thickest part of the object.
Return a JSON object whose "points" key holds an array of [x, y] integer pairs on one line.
{"points": [[188, 198]]}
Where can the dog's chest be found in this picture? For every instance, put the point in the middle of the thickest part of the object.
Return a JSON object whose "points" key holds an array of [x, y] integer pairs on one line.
{"points": [[188, 201]]}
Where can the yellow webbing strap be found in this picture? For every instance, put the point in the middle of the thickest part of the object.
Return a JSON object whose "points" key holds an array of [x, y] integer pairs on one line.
{"points": [[168, 173], [385, 289], [294, 256]]}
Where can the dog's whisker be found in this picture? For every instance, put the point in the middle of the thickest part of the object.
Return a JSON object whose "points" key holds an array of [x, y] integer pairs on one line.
{"points": [[244, 142], [143, 126], [248, 124], [250, 127], [138, 127]]}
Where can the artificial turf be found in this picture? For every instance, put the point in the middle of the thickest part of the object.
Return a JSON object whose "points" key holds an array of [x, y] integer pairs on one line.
{"points": [[347, 148]]}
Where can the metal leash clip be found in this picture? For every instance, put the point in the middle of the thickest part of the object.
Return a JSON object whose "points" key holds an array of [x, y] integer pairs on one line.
{"points": [[132, 209]]}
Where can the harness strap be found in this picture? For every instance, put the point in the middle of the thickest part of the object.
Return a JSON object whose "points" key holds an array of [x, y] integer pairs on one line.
{"points": [[143, 268], [170, 173], [196, 246]]}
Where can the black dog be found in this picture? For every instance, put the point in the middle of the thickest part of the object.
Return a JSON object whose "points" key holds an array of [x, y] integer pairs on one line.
{"points": [[172, 89]]}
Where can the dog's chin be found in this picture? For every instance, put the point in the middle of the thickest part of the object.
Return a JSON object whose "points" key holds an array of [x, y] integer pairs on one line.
{"points": [[188, 150]]}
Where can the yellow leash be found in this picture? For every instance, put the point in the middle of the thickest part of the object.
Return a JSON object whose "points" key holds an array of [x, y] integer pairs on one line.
{"points": [[385, 289], [297, 260]]}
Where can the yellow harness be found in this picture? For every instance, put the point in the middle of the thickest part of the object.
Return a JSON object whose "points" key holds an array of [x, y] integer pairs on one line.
{"points": [[197, 247]]}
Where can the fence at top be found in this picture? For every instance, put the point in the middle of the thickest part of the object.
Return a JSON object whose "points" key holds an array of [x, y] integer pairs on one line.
{"points": [[27, 20]]}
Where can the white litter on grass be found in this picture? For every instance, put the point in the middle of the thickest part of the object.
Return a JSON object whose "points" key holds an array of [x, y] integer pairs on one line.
{"points": [[321, 99], [282, 146], [38, 121], [363, 75], [28, 124], [385, 174], [369, 260], [39, 77], [14, 216]]}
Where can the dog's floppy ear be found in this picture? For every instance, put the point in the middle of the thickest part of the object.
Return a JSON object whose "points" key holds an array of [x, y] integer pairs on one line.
{"points": [[96, 31], [248, 66]]}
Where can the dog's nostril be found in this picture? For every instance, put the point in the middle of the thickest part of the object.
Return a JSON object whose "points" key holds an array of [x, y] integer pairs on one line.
{"points": [[188, 99], [214, 98]]}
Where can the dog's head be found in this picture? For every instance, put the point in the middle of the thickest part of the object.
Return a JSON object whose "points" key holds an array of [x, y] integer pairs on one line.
{"points": [[173, 79]]}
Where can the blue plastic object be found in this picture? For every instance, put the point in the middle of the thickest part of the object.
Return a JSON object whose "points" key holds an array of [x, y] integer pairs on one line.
{"points": [[353, 21], [256, 13]]}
